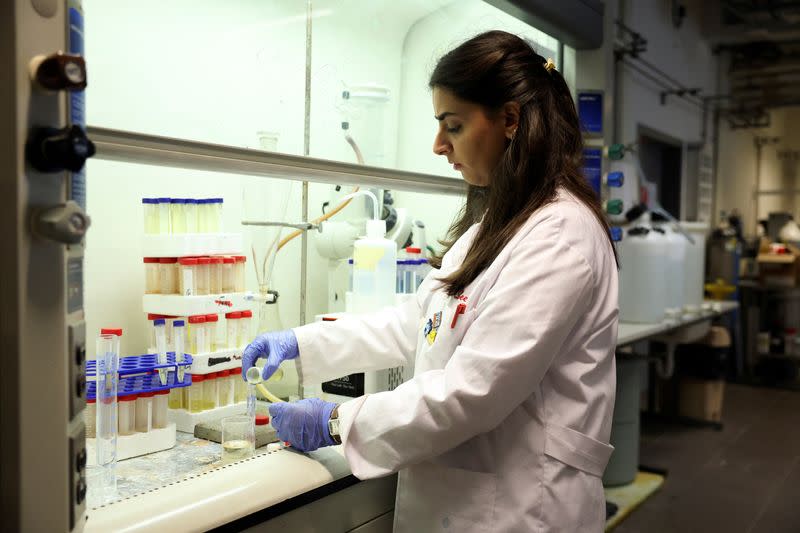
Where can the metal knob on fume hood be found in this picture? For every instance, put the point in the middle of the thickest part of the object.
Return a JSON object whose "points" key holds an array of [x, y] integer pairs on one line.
{"points": [[66, 223], [59, 72], [614, 179], [613, 206], [56, 150]]}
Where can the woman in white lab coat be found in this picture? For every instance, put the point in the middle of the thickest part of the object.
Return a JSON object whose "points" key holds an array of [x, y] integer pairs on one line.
{"points": [[505, 424]]}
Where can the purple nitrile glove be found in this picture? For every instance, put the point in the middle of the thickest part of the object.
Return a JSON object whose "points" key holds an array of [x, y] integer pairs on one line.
{"points": [[304, 424], [275, 347]]}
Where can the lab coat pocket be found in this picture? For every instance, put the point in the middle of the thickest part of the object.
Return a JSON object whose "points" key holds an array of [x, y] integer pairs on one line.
{"points": [[455, 499], [443, 329], [576, 449]]}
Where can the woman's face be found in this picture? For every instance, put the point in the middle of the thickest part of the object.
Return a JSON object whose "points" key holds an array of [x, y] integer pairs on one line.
{"points": [[471, 138]]}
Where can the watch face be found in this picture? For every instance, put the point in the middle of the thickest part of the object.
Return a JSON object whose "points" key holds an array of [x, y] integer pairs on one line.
{"points": [[333, 426]]}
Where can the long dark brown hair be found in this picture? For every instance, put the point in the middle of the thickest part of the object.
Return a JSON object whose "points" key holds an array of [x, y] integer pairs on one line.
{"points": [[492, 69]]}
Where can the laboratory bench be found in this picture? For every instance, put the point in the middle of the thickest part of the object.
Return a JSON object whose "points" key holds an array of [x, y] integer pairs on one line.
{"points": [[630, 333], [187, 488]]}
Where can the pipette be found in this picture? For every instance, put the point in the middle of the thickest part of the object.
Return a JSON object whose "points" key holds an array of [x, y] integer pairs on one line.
{"points": [[161, 347]]}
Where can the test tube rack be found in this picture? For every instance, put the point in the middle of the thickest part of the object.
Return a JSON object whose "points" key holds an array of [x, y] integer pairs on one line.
{"points": [[177, 305], [191, 244], [215, 361], [137, 374]]}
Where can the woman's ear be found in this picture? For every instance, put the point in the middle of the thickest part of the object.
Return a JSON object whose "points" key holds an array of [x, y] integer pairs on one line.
{"points": [[511, 119]]}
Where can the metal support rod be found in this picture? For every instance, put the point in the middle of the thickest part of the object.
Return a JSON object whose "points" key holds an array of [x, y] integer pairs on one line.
{"points": [[130, 147], [687, 97], [305, 226]]}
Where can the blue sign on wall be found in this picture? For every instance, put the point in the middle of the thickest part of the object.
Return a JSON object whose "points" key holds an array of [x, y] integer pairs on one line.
{"points": [[590, 112], [593, 167]]}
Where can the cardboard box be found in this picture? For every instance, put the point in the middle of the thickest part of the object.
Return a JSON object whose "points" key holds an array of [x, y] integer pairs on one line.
{"points": [[700, 399]]}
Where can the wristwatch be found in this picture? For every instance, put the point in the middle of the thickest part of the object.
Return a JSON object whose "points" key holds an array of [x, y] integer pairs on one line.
{"points": [[333, 425]]}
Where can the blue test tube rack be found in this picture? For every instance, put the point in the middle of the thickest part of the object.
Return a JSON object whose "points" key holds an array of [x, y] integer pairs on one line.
{"points": [[139, 373]]}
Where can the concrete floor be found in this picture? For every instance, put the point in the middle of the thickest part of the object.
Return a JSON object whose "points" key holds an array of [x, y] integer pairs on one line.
{"points": [[745, 478]]}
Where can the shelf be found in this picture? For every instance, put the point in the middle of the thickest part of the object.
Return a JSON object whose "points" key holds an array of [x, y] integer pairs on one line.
{"points": [[137, 444], [186, 421], [192, 244], [177, 305], [216, 361]]}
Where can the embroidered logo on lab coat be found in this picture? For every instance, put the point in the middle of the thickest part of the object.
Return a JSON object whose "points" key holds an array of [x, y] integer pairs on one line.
{"points": [[432, 327]]}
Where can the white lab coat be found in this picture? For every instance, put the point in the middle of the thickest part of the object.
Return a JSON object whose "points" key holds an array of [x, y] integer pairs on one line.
{"points": [[505, 425]]}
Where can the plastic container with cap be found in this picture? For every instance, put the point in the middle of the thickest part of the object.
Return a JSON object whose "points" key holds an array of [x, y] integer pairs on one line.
{"points": [[160, 327], [202, 215], [152, 280], [238, 274], [175, 400], [215, 275], [150, 318], [195, 392], [197, 334], [127, 412], [111, 331], [642, 290], [177, 213], [212, 330], [374, 269], [210, 391], [160, 404], [168, 275], [239, 386], [90, 418], [224, 388], [416, 270], [675, 249], [163, 215], [190, 214], [228, 267], [203, 275], [215, 215], [187, 275], [144, 412], [150, 206], [179, 347], [232, 328], [245, 328]]}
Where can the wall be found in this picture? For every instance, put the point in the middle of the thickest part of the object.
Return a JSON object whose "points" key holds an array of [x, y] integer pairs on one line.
{"points": [[682, 53], [736, 176], [426, 41]]}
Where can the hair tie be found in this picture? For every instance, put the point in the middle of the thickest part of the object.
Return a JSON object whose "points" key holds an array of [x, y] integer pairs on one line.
{"points": [[549, 65]]}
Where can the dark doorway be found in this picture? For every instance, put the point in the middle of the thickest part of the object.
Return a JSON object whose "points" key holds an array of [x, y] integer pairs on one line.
{"points": [[661, 162]]}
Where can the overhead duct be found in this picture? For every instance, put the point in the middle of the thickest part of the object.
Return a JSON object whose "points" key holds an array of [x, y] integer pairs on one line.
{"points": [[577, 23]]}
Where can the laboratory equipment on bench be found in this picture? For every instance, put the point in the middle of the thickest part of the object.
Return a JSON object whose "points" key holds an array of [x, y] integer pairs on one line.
{"points": [[374, 267], [642, 271], [695, 267], [675, 250], [137, 412], [238, 437], [103, 485], [161, 347], [253, 377]]}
